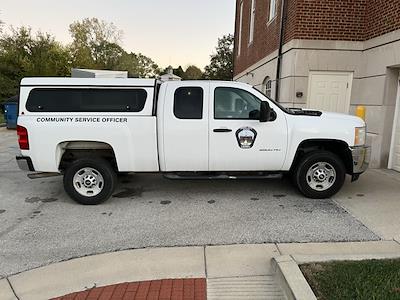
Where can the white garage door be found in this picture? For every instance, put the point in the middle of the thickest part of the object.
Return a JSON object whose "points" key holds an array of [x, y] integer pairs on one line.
{"points": [[330, 91], [394, 161]]}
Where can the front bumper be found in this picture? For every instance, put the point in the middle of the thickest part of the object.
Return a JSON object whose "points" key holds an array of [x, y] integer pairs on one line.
{"points": [[25, 163], [361, 157]]}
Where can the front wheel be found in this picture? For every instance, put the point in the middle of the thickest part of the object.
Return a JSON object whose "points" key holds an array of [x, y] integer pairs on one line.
{"points": [[320, 174], [90, 181]]}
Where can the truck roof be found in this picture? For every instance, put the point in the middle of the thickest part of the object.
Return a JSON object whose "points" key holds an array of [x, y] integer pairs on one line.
{"points": [[68, 81], [223, 82], [109, 82]]}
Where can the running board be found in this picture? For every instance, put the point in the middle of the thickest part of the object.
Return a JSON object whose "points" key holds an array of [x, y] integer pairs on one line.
{"points": [[222, 177], [42, 175]]}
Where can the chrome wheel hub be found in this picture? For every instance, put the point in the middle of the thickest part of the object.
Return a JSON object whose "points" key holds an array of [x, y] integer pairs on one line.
{"points": [[321, 176], [88, 182]]}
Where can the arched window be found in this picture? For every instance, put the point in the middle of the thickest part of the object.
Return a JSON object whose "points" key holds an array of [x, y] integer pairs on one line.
{"points": [[267, 86]]}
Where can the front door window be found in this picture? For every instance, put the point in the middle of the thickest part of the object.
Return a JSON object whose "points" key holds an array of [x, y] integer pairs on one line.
{"points": [[235, 104]]}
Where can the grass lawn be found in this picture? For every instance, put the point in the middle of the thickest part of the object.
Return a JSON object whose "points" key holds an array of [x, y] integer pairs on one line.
{"points": [[2, 118], [368, 279]]}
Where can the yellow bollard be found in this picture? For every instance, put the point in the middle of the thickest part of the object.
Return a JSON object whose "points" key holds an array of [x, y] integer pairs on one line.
{"points": [[360, 112]]}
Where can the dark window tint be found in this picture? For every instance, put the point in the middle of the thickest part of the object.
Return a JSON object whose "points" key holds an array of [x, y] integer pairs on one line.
{"points": [[86, 100], [188, 103]]}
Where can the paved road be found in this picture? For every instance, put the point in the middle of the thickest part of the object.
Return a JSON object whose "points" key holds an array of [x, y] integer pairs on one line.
{"points": [[39, 224]]}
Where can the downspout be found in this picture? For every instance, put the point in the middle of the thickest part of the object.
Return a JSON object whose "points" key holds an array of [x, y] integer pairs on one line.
{"points": [[281, 41]]}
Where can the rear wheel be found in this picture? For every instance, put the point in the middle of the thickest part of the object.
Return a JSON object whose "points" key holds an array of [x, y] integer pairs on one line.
{"points": [[320, 174], [90, 181]]}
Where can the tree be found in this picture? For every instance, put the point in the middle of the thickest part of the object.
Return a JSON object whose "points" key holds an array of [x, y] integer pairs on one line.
{"points": [[146, 66], [192, 73], [48, 57], [128, 62], [137, 65], [179, 72], [221, 64], [25, 54], [1, 26], [95, 44]]}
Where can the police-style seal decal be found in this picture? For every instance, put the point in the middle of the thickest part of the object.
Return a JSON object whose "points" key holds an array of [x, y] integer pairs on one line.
{"points": [[246, 137]]}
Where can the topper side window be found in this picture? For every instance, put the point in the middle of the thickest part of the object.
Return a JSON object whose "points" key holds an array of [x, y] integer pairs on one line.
{"points": [[86, 100]]}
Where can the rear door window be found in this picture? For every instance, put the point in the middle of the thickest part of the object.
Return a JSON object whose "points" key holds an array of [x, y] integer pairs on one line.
{"points": [[86, 100], [188, 103]]}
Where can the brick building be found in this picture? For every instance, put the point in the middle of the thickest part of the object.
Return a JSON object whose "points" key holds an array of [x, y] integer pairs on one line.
{"points": [[328, 54]]}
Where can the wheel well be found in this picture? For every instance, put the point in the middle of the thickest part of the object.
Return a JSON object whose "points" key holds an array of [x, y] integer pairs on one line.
{"points": [[337, 147], [73, 150]]}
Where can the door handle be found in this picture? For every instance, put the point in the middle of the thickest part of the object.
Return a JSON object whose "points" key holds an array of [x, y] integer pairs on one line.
{"points": [[222, 130]]}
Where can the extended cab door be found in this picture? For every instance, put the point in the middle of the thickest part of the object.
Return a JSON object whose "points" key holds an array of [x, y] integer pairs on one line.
{"points": [[238, 140], [183, 126]]}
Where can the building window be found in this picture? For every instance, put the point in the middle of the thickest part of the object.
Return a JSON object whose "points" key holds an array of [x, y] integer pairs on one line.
{"points": [[272, 9], [240, 28], [267, 86], [252, 20]]}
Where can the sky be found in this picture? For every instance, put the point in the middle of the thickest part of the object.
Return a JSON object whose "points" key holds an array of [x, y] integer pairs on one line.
{"points": [[171, 32]]}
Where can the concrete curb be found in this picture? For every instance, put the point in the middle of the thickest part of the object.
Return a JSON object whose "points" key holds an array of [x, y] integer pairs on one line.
{"points": [[333, 248], [230, 270], [227, 263], [108, 269], [291, 279], [305, 259], [294, 283]]}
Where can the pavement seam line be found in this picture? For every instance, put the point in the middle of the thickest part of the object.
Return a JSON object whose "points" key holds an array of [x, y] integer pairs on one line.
{"points": [[292, 257], [240, 276], [205, 261], [356, 218], [12, 288], [279, 249]]}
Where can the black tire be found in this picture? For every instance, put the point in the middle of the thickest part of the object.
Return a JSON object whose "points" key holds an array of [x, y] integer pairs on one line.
{"points": [[301, 179], [101, 166]]}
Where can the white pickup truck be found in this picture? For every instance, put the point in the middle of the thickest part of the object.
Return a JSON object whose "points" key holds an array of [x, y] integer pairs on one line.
{"points": [[90, 130]]}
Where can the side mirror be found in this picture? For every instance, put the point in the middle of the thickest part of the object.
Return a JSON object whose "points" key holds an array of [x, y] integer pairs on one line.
{"points": [[265, 112]]}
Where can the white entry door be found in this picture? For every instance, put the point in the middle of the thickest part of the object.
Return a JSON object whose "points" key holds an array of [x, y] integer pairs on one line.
{"points": [[330, 91], [394, 160]]}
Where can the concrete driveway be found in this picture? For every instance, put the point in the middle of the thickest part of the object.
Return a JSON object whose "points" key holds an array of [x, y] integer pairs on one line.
{"points": [[39, 224], [375, 201]]}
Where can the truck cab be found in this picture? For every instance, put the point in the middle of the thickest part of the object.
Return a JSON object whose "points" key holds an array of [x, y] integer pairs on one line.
{"points": [[88, 130], [215, 126]]}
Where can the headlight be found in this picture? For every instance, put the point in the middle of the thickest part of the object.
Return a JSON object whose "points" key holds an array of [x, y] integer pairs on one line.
{"points": [[360, 136]]}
